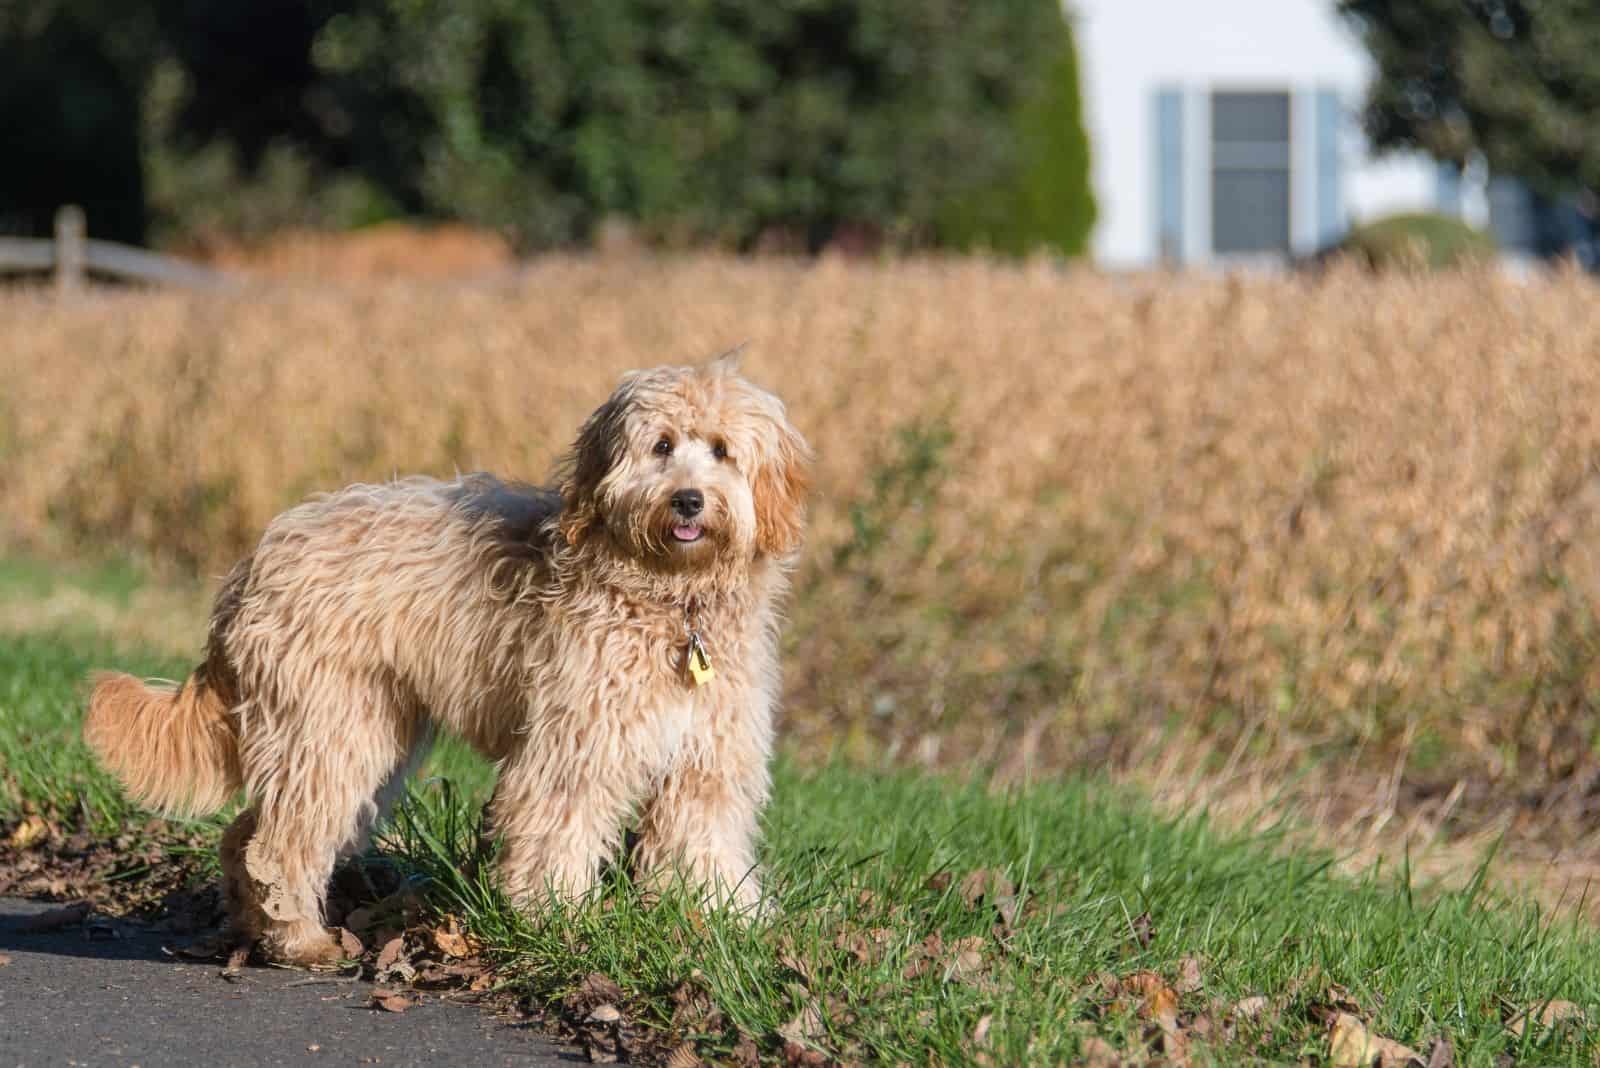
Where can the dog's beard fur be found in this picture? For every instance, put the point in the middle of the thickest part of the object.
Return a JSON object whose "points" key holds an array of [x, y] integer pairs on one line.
{"points": [[640, 521], [547, 628]]}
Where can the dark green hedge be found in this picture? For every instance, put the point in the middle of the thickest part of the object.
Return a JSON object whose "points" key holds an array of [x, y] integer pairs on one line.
{"points": [[1045, 201], [729, 121]]}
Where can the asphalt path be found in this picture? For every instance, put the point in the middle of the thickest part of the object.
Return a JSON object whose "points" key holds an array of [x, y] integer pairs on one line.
{"points": [[110, 993]]}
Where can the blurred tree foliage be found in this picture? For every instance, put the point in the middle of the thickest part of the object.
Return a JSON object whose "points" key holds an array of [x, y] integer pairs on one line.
{"points": [[1515, 80], [697, 120], [70, 75], [1045, 201]]}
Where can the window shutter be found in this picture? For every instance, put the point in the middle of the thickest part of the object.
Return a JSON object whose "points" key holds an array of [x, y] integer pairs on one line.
{"points": [[1330, 179], [1169, 175]]}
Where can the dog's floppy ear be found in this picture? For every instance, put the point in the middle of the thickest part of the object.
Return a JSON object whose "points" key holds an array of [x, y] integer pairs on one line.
{"points": [[592, 456], [780, 483]]}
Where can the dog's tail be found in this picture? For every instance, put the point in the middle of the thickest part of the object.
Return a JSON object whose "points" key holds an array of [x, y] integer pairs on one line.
{"points": [[174, 747]]}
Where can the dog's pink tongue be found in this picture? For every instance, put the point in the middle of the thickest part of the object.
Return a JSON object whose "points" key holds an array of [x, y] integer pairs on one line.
{"points": [[686, 532]]}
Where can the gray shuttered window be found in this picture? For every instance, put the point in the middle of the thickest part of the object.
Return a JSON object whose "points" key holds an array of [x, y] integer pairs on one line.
{"points": [[1250, 173]]}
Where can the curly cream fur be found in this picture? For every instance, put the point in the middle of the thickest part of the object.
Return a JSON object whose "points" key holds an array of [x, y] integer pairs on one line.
{"points": [[545, 627]]}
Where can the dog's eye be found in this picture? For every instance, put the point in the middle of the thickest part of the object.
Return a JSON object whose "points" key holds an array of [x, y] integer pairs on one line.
{"points": [[720, 451], [664, 446]]}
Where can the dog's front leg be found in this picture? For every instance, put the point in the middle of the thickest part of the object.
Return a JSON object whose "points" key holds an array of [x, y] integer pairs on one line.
{"points": [[557, 821], [701, 824]]}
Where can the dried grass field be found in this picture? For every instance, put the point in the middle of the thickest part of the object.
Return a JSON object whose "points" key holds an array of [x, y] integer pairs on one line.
{"points": [[1332, 535]]}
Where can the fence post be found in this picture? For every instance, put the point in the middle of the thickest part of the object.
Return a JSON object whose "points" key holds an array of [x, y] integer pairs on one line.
{"points": [[71, 250]]}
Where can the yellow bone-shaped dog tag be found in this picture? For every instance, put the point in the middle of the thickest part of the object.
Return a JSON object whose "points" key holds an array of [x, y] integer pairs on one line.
{"points": [[699, 664]]}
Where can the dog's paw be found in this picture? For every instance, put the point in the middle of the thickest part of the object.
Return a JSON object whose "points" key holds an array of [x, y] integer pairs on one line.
{"points": [[304, 946]]}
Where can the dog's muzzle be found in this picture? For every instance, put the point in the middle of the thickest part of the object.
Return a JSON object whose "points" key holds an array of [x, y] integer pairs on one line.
{"points": [[687, 504]]}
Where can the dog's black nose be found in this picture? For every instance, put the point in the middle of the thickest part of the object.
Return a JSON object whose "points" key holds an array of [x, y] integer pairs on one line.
{"points": [[688, 502]]}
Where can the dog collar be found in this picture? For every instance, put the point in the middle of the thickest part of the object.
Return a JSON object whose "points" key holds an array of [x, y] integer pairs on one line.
{"points": [[700, 669]]}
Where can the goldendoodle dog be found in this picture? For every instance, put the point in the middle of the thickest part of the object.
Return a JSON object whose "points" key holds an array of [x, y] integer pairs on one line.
{"points": [[609, 643]]}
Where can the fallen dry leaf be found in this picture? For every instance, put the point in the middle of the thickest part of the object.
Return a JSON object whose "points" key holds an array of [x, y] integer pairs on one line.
{"points": [[986, 884], [1189, 977], [607, 1038], [867, 947], [350, 943], [30, 831], [595, 989], [313, 1048], [390, 953], [790, 958], [1340, 999], [966, 959], [450, 941], [684, 1056], [980, 1033], [454, 972], [5, 958], [1251, 1007], [798, 1056], [236, 961], [1443, 1055], [1549, 1014], [923, 955], [1175, 1046], [1102, 985], [391, 1001], [1098, 1053], [991, 887], [1161, 1005], [1143, 983], [1351, 1045], [939, 882], [1038, 908], [746, 1053], [806, 1026], [693, 1009]]}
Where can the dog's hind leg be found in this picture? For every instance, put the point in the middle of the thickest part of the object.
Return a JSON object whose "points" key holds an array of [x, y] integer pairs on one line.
{"points": [[389, 794], [313, 781]]}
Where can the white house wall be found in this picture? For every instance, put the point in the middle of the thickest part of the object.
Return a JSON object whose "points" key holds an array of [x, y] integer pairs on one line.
{"points": [[1130, 48]]}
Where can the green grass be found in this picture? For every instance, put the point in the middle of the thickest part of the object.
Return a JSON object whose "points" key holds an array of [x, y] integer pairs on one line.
{"points": [[876, 862], [113, 579], [851, 853]]}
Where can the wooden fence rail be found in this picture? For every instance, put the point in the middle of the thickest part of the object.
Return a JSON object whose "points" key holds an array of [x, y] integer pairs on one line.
{"points": [[73, 255]]}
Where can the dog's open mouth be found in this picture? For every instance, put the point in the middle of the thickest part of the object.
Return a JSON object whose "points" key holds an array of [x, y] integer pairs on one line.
{"points": [[688, 533]]}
